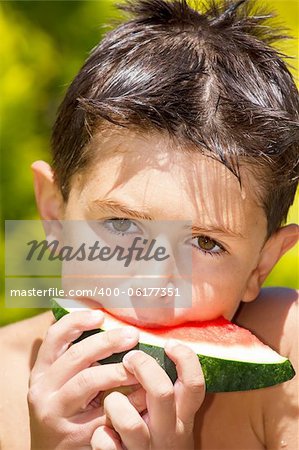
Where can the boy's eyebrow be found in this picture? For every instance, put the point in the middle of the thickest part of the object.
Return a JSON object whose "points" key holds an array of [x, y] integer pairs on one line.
{"points": [[209, 228], [117, 207]]}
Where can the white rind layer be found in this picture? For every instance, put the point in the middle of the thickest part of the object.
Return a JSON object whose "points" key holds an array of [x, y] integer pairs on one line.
{"points": [[254, 353]]}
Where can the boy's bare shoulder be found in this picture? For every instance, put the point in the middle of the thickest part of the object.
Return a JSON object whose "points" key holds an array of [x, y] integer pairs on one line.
{"points": [[18, 336], [273, 317], [19, 344], [20, 341]]}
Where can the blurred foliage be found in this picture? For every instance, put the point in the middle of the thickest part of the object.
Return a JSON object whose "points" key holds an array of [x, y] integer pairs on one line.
{"points": [[43, 45]]}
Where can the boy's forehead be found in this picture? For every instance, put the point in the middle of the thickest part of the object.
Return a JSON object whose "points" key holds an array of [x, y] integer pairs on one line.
{"points": [[152, 173], [137, 152]]}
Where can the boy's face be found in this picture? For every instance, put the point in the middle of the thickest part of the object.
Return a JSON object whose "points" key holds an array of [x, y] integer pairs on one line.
{"points": [[146, 175]]}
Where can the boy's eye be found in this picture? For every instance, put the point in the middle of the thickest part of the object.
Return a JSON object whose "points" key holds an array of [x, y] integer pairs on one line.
{"points": [[120, 226], [207, 245]]}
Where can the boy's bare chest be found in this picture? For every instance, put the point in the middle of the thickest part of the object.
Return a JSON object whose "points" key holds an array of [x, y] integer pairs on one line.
{"points": [[229, 421], [14, 416]]}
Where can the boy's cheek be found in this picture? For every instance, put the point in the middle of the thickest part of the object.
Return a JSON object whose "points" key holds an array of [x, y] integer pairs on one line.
{"points": [[220, 294]]}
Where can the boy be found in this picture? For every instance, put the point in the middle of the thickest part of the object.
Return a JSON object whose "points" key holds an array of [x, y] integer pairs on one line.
{"points": [[176, 115]]}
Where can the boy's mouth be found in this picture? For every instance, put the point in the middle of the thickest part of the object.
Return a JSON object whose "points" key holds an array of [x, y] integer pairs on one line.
{"points": [[147, 317]]}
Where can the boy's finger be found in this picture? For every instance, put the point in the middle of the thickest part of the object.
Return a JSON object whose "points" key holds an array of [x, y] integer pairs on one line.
{"points": [[105, 438], [61, 334], [82, 354], [86, 423], [127, 422], [80, 390], [135, 394], [138, 399], [159, 390], [190, 385]]}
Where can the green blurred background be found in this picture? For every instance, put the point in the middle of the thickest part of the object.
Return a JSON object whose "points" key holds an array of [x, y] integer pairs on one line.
{"points": [[43, 45]]}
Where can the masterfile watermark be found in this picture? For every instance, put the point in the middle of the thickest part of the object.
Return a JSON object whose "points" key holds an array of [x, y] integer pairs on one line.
{"points": [[116, 263], [96, 252]]}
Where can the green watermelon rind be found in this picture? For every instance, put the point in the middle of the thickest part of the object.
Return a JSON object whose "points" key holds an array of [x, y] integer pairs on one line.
{"points": [[221, 375]]}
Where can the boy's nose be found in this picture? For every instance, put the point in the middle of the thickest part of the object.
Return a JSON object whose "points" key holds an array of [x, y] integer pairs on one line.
{"points": [[157, 282], [158, 266], [155, 296]]}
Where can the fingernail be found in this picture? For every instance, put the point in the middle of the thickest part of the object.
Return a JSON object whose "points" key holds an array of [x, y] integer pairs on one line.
{"points": [[171, 343], [130, 333], [127, 358]]}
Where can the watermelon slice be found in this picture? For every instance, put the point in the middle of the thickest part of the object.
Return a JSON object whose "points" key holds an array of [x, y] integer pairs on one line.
{"points": [[231, 357]]}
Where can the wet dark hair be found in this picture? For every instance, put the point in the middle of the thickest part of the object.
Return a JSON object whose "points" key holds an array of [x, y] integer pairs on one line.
{"points": [[208, 77]]}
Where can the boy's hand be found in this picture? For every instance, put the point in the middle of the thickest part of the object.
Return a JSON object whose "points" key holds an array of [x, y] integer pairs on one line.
{"points": [[168, 422], [65, 380]]}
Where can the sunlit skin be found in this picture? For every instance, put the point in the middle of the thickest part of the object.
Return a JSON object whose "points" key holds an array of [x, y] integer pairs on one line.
{"points": [[143, 174], [56, 382]]}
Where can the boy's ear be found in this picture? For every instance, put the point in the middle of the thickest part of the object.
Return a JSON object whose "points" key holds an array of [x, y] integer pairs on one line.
{"points": [[48, 197], [275, 247]]}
